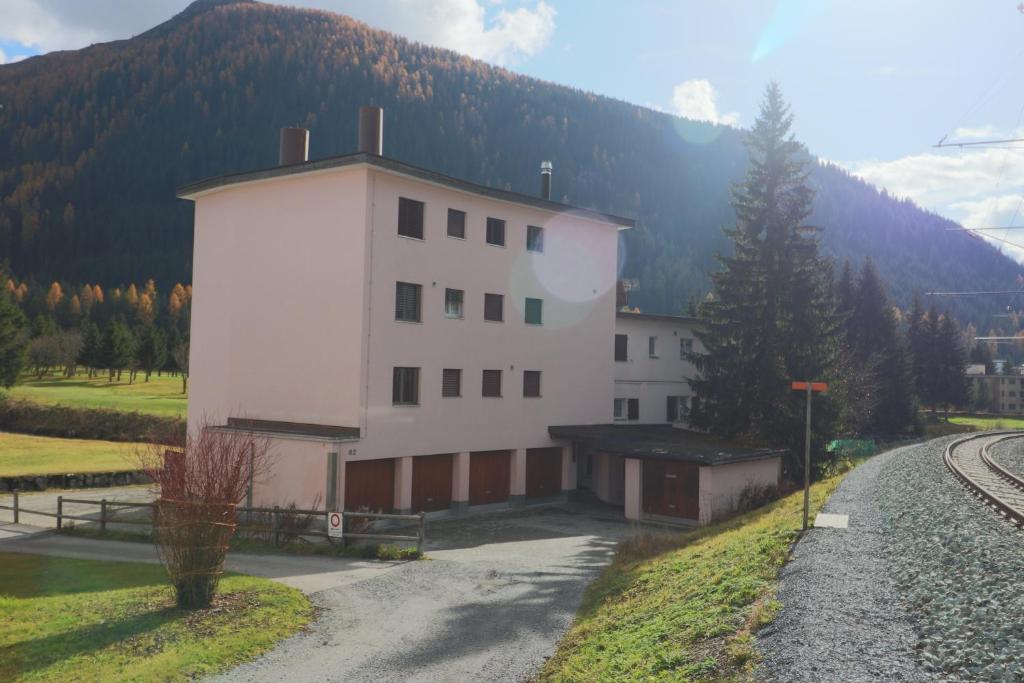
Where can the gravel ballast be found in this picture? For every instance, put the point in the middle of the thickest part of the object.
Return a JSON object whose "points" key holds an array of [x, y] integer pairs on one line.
{"points": [[924, 585]]}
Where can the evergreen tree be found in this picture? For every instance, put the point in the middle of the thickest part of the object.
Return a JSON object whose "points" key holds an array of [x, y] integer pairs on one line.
{"points": [[951, 382], [152, 349], [118, 348], [13, 341], [91, 355], [771, 318], [875, 345]]}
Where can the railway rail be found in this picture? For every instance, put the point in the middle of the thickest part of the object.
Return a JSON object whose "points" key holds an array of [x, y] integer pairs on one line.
{"points": [[970, 460]]}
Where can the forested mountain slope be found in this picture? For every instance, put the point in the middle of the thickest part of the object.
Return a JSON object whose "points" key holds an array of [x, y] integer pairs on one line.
{"points": [[93, 143]]}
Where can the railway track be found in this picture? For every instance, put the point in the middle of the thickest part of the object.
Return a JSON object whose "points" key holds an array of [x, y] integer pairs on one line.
{"points": [[971, 462]]}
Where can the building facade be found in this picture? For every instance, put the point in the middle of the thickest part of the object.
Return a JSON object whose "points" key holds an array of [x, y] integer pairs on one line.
{"points": [[410, 341]]}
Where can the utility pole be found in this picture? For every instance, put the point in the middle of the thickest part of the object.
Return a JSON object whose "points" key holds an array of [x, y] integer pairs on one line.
{"points": [[809, 388]]}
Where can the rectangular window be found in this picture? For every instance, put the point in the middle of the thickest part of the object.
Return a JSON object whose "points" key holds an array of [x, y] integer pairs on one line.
{"points": [[451, 383], [685, 347], [410, 218], [678, 409], [620, 347], [494, 305], [405, 387], [453, 303], [633, 409], [534, 238], [457, 224], [492, 383], [496, 232], [534, 311], [620, 409], [531, 383], [652, 347], [407, 302]]}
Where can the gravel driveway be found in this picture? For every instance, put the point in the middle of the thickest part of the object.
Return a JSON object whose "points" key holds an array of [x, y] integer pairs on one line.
{"points": [[924, 585], [489, 605]]}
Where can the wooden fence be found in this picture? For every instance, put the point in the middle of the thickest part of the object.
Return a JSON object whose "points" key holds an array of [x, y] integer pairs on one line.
{"points": [[277, 515]]}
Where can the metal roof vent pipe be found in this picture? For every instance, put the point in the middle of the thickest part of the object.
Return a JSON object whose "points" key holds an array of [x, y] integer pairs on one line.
{"points": [[294, 147], [545, 179], [371, 130]]}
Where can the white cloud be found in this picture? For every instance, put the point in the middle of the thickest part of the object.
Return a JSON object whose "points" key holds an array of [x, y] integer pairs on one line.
{"points": [[976, 133], [460, 25], [695, 99], [978, 188], [3, 57]]}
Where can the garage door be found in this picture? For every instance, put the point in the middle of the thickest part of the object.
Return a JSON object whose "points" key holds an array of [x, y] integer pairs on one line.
{"points": [[489, 477], [671, 489], [431, 482], [370, 484], [543, 472]]}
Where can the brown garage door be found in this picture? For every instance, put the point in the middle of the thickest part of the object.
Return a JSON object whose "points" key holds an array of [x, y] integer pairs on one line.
{"points": [[671, 489], [431, 482], [543, 472], [489, 477], [370, 484]]}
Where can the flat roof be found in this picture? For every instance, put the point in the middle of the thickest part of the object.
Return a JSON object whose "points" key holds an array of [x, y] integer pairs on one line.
{"points": [[656, 316], [293, 428], [191, 190], [662, 442]]}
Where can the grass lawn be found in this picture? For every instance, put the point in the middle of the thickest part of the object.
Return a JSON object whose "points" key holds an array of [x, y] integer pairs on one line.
{"points": [[982, 423], [23, 455], [80, 620], [682, 606], [159, 396]]}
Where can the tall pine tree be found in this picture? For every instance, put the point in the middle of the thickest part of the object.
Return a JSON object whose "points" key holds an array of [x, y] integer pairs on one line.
{"points": [[771, 317]]}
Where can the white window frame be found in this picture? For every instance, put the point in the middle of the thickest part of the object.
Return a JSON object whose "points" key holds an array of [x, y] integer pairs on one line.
{"points": [[448, 313], [620, 410]]}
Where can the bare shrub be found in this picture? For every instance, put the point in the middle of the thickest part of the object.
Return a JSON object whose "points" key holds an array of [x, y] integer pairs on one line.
{"points": [[753, 496], [291, 525], [195, 515]]}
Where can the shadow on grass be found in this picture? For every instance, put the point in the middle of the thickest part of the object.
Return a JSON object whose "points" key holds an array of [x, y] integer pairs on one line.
{"points": [[24, 576], [27, 656]]}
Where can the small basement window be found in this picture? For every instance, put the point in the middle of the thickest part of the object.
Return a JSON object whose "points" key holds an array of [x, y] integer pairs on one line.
{"points": [[410, 218]]}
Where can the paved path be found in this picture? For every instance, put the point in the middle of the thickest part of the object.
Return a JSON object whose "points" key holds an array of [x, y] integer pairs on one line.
{"points": [[490, 603]]}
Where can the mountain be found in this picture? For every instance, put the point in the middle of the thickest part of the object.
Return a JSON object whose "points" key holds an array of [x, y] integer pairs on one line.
{"points": [[93, 143]]}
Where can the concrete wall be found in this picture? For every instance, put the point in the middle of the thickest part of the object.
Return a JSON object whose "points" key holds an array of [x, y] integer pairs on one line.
{"points": [[721, 485], [652, 379], [277, 300], [575, 278], [298, 474]]}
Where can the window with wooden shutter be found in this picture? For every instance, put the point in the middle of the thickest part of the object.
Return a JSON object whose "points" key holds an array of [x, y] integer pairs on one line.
{"points": [[451, 383], [453, 303], [496, 232], [531, 383], [534, 311], [494, 305], [534, 238], [405, 386], [620, 347], [457, 224], [492, 383], [407, 302], [410, 218], [633, 409]]}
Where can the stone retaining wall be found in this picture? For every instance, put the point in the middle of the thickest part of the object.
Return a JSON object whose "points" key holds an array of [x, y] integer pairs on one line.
{"points": [[73, 481]]}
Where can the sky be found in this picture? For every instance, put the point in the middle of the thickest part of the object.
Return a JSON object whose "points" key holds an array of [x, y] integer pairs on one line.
{"points": [[873, 84]]}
